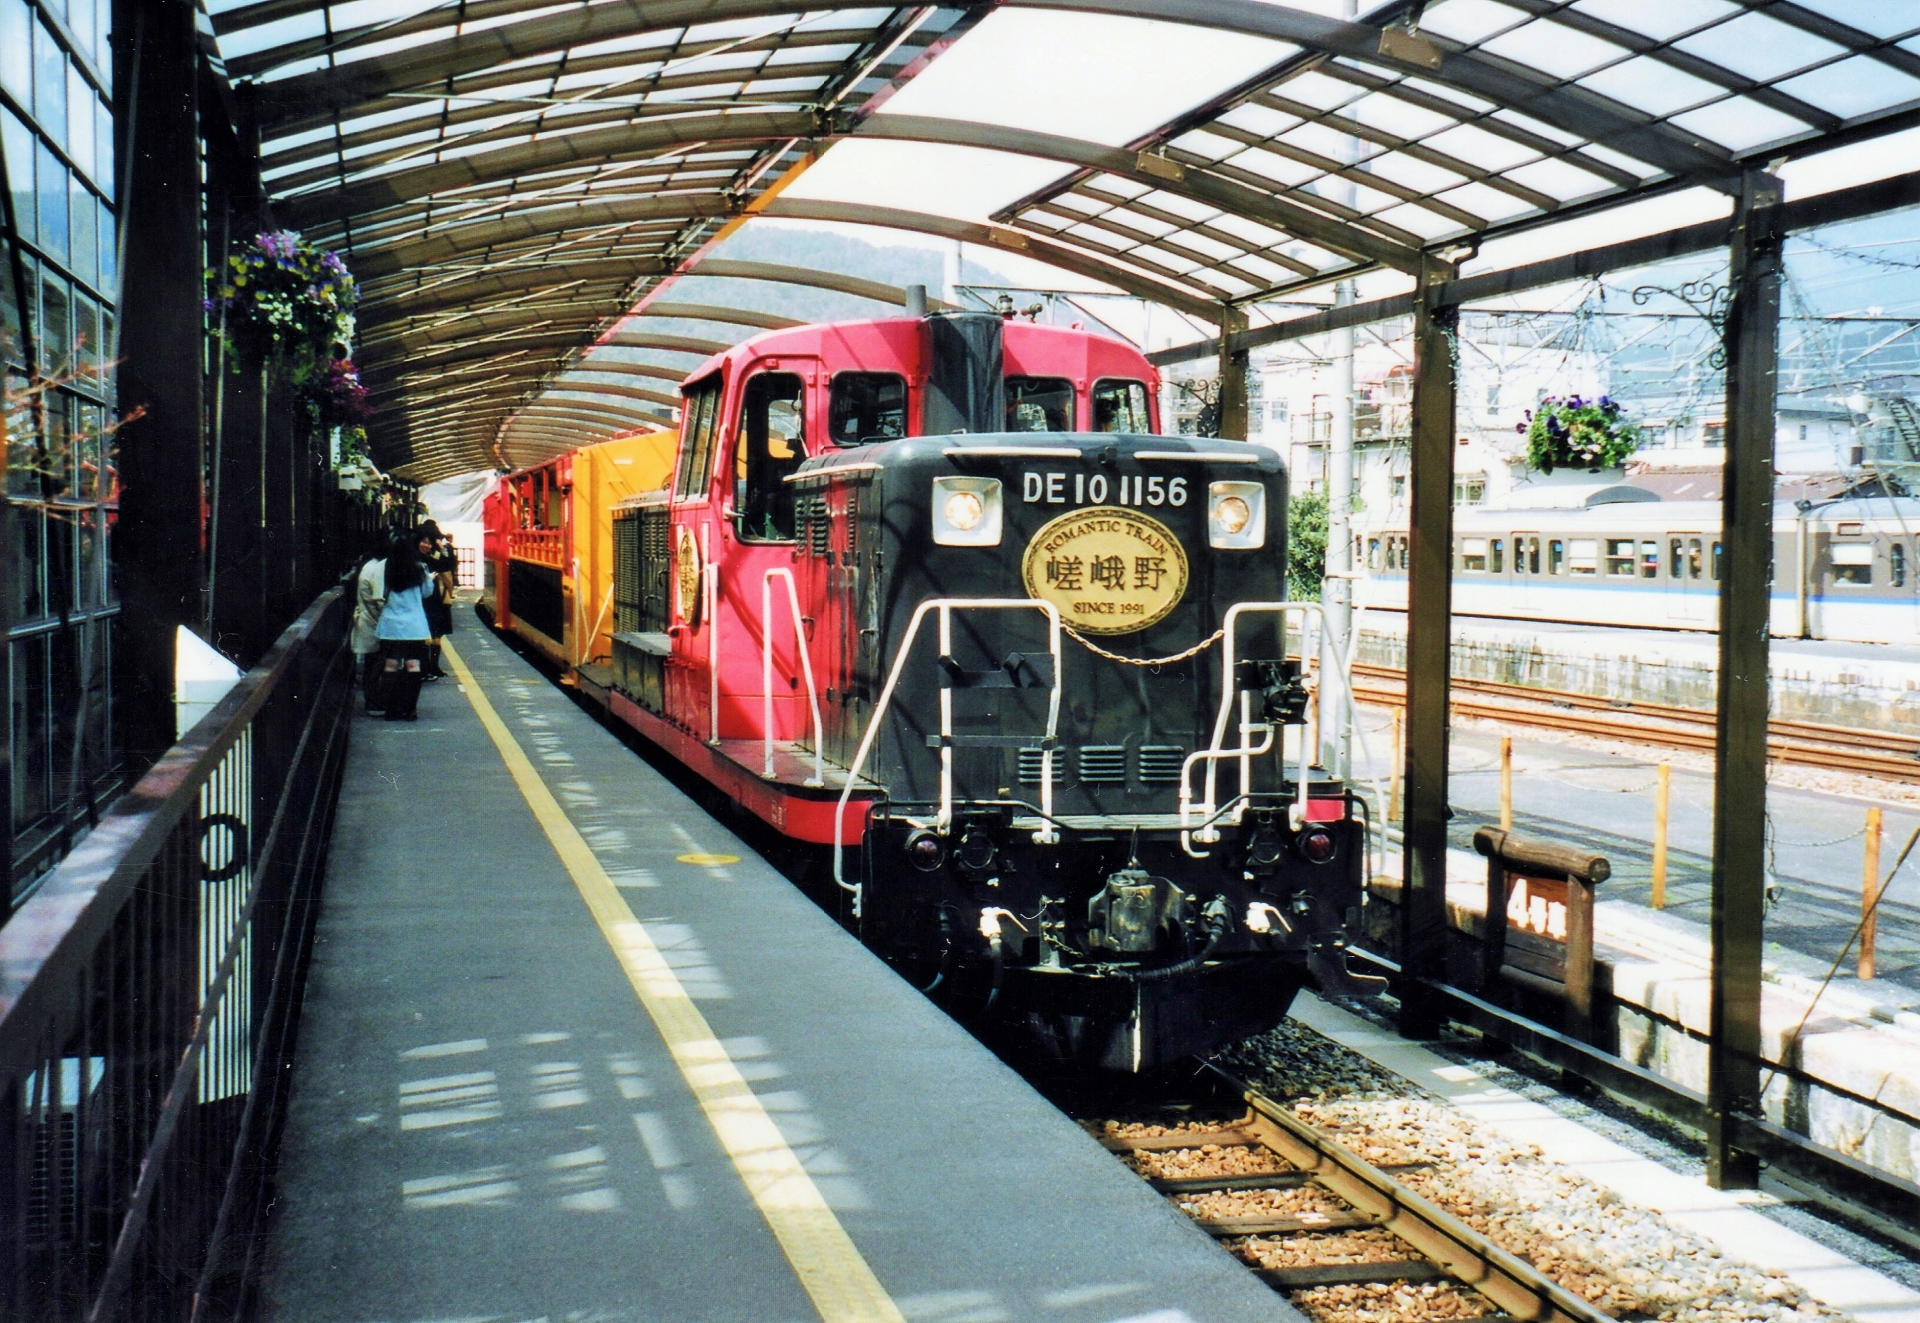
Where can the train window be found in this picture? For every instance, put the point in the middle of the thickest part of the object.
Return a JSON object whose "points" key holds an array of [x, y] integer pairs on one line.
{"points": [[1039, 404], [701, 414], [867, 406], [1852, 562], [1556, 555], [1532, 556], [1897, 565], [1649, 560], [1620, 557], [769, 447], [1473, 555], [1496, 556], [1716, 562], [1120, 406], [1693, 559], [1583, 556], [1373, 554], [1676, 558]]}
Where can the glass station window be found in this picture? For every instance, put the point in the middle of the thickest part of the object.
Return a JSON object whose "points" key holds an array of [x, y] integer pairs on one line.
{"points": [[1120, 406], [770, 446], [698, 417], [1039, 404], [1852, 562], [867, 406]]}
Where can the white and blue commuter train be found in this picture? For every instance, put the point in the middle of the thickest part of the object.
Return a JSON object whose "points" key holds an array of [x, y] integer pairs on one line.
{"points": [[1842, 570]]}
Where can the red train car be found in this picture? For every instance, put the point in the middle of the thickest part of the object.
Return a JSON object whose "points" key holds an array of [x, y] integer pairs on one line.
{"points": [[931, 597]]}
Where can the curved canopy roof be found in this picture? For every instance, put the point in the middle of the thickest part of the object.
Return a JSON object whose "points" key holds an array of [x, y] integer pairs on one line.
{"points": [[510, 178]]}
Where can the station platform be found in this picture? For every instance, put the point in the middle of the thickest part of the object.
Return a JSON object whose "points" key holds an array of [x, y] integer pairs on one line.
{"points": [[571, 1051]]}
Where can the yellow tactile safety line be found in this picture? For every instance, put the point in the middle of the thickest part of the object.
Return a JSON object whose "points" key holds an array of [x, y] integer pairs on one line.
{"points": [[829, 1265]]}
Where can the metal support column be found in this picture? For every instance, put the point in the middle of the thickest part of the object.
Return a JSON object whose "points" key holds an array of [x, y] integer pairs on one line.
{"points": [[1423, 896], [157, 544], [1232, 404], [1740, 786]]}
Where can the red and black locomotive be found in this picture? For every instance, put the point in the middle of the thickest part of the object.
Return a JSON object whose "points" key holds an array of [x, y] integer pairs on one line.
{"points": [[929, 595]]}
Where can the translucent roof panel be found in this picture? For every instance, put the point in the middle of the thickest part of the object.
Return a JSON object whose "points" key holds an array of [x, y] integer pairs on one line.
{"points": [[509, 177]]}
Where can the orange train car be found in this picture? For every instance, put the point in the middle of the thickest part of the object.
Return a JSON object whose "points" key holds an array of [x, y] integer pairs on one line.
{"points": [[548, 575]]}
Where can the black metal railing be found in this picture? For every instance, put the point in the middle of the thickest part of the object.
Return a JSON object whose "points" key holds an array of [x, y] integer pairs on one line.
{"points": [[148, 995]]}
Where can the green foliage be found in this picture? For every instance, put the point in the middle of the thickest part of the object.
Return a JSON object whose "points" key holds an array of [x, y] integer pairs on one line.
{"points": [[1306, 545], [1578, 434]]}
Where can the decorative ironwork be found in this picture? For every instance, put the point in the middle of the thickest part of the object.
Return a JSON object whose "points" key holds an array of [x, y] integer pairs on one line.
{"points": [[1709, 300]]}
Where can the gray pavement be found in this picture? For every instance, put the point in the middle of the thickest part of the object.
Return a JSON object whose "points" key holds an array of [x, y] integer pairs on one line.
{"points": [[485, 1125]]}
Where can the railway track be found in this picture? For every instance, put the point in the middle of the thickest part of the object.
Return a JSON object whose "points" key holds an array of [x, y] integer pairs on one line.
{"points": [[1806, 743], [1346, 1194]]}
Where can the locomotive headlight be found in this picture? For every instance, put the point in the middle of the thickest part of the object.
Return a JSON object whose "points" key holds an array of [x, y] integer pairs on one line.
{"points": [[1236, 515], [966, 512]]}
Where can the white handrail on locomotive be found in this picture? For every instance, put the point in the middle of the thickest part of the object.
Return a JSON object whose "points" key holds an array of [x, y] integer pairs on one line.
{"points": [[1213, 753], [819, 777], [1046, 834], [710, 584]]}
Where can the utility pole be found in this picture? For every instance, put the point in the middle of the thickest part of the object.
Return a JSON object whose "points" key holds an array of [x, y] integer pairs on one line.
{"points": [[1336, 589]]}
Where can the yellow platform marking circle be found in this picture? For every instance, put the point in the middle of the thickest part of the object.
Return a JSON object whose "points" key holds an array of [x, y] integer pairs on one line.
{"points": [[1109, 570], [709, 860]]}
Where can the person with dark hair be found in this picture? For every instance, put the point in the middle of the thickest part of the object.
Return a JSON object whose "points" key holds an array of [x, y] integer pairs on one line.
{"points": [[403, 630], [440, 561]]}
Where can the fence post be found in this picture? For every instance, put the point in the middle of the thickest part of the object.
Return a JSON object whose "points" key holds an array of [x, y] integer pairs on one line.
{"points": [[1506, 783], [1662, 790], [1869, 893]]}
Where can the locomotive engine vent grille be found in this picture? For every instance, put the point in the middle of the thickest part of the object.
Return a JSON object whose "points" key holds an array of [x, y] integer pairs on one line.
{"points": [[1160, 764], [815, 528], [853, 523], [1030, 766], [1103, 765]]}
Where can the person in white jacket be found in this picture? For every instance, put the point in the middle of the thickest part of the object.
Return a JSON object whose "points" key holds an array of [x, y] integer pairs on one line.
{"points": [[370, 595]]}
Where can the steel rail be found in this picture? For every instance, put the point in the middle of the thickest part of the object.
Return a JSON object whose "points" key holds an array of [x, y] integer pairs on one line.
{"points": [[1449, 1248], [1839, 748]]}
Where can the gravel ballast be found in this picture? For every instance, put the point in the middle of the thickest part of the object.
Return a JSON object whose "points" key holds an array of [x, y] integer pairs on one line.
{"points": [[1629, 1261]]}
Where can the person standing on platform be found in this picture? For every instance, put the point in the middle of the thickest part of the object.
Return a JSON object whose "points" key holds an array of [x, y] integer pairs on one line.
{"points": [[441, 561], [403, 630], [369, 595]]}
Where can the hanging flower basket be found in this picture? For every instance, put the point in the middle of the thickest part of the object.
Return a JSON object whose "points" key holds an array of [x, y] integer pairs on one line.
{"points": [[286, 296], [1576, 433], [333, 394]]}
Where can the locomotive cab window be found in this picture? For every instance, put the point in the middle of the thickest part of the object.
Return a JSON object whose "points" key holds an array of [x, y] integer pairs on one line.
{"points": [[1852, 562], [1039, 404], [863, 407], [700, 418], [1120, 406], [770, 445]]}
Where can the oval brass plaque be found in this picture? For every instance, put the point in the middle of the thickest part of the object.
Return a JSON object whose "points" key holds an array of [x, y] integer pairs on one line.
{"points": [[687, 572], [1109, 569]]}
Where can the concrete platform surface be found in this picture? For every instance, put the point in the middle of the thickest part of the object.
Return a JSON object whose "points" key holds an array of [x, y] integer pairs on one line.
{"points": [[490, 1123]]}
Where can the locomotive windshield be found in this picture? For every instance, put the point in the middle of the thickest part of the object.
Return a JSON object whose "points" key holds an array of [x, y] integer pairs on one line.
{"points": [[864, 407], [1121, 406], [1039, 404]]}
